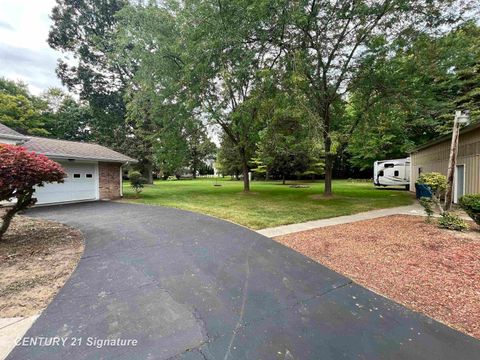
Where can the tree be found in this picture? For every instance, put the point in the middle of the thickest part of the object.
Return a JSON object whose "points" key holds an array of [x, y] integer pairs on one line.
{"points": [[167, 39], [200, 147], [21, 110], [228, 158], [87, 29], [136, 181], [227, 79], [18, 112], [288, 144], [328, 40], [65, 117], [405, 94], [20, 172]]}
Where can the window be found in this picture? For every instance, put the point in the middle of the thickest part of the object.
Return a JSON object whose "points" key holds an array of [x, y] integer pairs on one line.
{"points": [[380, 173], [76, 176], [419, 170], [89, 176], [396, 173], [388, 166]]}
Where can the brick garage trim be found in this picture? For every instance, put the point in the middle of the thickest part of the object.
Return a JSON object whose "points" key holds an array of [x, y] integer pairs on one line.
{"points": [[109, 180]]}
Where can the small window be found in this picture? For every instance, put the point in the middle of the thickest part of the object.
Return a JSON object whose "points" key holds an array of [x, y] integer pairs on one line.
{"points": [[388, 166], [380, 173], [89, 176], [396, 173], [76, 176]]}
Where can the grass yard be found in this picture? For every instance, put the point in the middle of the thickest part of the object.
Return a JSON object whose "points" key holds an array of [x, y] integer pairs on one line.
{"points": [[269, 203]]}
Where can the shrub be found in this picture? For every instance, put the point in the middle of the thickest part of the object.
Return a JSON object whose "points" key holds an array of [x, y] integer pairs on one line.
{"points": [[428, 205], [137, 181], [20, 172], [435, 181], [471, 205], [452, 222]]}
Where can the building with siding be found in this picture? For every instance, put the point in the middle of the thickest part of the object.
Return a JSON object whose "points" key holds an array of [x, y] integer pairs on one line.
{"points": [[433, 157]]}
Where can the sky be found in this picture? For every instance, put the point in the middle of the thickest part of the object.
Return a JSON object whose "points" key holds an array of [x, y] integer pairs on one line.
{"points": [[24, 51]]}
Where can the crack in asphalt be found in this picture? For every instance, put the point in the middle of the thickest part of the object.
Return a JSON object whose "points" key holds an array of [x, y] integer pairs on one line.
{"points": [[244, 301], [297, 303]]}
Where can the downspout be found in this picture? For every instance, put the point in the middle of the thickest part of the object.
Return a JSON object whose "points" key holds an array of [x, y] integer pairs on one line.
{"points": [[121, 178]]}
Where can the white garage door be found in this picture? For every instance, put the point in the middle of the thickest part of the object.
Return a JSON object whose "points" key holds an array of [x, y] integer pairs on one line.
{"points": [[81, 183]]}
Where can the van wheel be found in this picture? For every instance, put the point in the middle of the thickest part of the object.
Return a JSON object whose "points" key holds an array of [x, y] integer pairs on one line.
{"points": [[407, 187]]}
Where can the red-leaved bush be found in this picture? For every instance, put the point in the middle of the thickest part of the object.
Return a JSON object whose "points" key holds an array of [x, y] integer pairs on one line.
{"points": [[20, 171]]}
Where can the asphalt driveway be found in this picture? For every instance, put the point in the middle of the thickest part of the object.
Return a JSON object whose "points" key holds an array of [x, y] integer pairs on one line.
{"points": [[188, 286]]}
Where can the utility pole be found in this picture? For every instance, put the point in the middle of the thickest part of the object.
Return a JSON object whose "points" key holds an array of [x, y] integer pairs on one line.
{"points": [[460, 118]]}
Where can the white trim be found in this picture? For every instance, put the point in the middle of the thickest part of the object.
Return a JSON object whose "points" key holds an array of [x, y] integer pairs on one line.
{"points": [[97, 181], [455, 196]]}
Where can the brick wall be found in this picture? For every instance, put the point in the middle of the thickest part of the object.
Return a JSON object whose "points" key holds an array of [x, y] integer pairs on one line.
{"points": [[109, 175]]}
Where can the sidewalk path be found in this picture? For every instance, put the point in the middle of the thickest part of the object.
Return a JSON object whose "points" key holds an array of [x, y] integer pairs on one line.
{"points": [[415, 209]]}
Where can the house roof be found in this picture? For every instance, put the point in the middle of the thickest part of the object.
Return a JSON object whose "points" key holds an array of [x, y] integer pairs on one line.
{"points": [[446, 137], [63, 149], [8, 133]]}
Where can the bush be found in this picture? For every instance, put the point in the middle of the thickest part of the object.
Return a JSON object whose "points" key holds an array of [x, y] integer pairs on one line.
{"points": [[20, 172], [452, 222], [428, 205], [435, 181], [137, 181], [471, 205]]}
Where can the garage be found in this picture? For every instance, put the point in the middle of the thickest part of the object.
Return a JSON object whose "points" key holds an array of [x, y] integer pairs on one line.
{"points": [[81, 184], [93, 172]]}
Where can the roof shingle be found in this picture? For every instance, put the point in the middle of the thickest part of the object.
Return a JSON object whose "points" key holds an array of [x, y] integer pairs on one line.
{"points": [[73, 149], [5, 130]]}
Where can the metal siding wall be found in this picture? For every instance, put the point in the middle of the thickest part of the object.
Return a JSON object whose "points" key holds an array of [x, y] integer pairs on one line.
{"points": [[435, 158]]}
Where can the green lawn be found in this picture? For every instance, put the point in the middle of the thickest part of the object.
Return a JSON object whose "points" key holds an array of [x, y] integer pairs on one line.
{"points": [[269, 203]]}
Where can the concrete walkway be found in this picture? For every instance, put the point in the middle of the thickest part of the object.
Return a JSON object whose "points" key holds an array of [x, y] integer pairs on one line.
{"points": [[415, 209], [12, 329]]}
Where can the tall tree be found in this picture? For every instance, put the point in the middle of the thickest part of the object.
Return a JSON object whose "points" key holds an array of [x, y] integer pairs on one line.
{"points": [[226, 50], [87, 29], [406, 93], [329, 39]]}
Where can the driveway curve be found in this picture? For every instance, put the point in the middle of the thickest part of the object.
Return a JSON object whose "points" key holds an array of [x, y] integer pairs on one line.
{"points": [[188, 286]]}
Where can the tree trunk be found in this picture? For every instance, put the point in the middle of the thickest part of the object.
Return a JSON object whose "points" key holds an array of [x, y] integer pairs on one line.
{"points": [[194, 171], [6, 220], [283, 179], [246, 180], [147, 172], [328, 155], [328, 175], [23, 202]]}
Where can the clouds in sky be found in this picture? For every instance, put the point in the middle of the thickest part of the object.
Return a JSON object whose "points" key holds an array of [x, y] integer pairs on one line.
{"points": [[24, 51]]}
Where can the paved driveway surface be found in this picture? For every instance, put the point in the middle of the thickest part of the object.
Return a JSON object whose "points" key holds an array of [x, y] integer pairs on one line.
{"points": [[187, 286]]}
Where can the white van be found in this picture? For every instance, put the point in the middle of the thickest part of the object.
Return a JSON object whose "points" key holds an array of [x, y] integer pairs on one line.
{"points": [[394, 172]]}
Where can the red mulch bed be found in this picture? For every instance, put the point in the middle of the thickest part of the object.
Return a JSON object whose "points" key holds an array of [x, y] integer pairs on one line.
{"points": [[431, 270]]}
